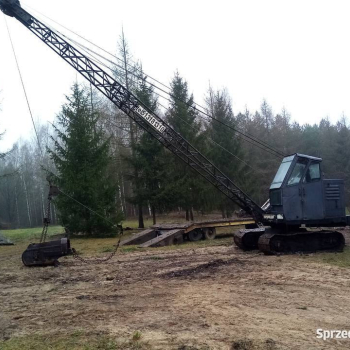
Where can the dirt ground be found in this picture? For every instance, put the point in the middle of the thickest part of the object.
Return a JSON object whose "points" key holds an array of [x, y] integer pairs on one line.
{"points": [[215, 297]]}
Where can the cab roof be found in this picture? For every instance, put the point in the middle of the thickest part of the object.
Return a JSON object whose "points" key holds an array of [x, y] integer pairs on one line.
{"points": [[304, 156]]}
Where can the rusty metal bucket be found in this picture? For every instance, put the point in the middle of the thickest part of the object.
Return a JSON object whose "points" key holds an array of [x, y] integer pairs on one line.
{"points": [[47, 253]]}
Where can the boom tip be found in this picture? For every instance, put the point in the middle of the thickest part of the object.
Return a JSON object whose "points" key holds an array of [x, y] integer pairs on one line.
{"points": [[7, 6]]}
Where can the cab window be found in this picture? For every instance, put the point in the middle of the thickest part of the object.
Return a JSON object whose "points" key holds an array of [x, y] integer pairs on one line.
{"points": [[313, 173], [297, 172]]}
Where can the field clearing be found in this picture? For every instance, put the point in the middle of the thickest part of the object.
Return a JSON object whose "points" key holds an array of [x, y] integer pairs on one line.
{"points": [[204, 295]]}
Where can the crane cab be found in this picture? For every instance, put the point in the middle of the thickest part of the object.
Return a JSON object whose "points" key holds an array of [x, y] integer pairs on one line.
{"points": [[299, 194]]}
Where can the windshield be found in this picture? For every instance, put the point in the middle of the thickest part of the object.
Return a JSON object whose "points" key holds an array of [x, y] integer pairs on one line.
{"points": [[281, 173], [298, 171]]}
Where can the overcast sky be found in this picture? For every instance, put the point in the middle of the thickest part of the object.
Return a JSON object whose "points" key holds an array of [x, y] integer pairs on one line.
{"points": [[295, 54]]}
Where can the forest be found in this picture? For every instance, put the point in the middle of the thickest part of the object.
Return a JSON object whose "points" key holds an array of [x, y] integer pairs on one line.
{"points": [[101, 159]]}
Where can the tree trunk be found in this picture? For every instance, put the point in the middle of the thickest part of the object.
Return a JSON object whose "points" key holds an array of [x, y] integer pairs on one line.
{"points": [[153, 209], [17, 210], [27, 202], [141, 224], [191, 214], [187, 215], [132, 132], [9, 201], [120, 178], [43, 203], [53, 214], [223, 213]]}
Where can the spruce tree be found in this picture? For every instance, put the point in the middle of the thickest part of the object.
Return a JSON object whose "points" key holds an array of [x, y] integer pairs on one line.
{"points": [[185, 186], [221, 137], [148, 160], [128, 75], [81, 156]]}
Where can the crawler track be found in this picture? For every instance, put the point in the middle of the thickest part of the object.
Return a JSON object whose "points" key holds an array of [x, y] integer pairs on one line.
{"points": [[248, 239], [270, 241], [309, 241]]}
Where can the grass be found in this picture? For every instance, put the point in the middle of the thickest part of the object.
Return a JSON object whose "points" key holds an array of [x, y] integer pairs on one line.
{"points": [[136, 336], [134, 223], [78, 340], [337, 259], [103, 246], [33, 234], [100, 246], [27, 234]]}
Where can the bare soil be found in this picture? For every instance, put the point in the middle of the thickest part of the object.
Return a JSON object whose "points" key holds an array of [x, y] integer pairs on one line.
{"points": [[215, 297]]}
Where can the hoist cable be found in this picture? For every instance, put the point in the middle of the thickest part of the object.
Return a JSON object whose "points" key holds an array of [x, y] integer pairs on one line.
{"points": [[86, 207], [36, 133], [23, 86], [245, 134], [217, 144], [253, 139], [99, 47], [96, 60]]}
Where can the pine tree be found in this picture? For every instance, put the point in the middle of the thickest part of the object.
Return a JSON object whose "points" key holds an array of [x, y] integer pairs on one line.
{"points": [[341, 160], [81, 156], [266, 113], [262, 160]]}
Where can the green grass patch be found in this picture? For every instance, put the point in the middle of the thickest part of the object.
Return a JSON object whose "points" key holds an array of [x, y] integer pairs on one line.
{"points": [[136, 336], [27, 234], [103, 246], [134, 223], [100, 247], [109, 249], [338, 259], [78, 340], [130, 249]]}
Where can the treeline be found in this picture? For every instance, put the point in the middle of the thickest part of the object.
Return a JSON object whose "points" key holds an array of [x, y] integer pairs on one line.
{"points": [[144, 178], [23, 185]]}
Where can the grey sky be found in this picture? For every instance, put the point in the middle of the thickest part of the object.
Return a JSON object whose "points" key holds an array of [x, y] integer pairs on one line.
{"points": [[293, 53]]}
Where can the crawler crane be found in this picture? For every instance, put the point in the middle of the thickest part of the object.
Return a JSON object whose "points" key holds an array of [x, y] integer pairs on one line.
{"points": [[299, 197]]}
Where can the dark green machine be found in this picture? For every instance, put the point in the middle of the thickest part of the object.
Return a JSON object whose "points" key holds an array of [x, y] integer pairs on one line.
{"points": [[300, 197], [299, 194]]}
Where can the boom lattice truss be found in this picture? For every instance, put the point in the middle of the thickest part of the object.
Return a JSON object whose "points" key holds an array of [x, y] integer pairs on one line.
{"points": [[134, 108]]}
